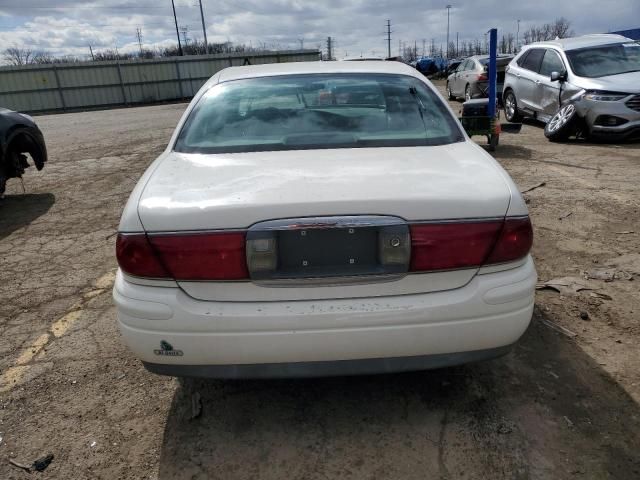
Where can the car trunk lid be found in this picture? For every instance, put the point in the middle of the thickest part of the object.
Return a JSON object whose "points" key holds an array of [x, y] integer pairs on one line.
{"points": [[196, 193]]}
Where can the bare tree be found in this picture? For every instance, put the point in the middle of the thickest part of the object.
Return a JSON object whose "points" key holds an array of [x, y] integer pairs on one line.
{"points": [[502, 47], [18, 56], [511, 39], [561, 28]]}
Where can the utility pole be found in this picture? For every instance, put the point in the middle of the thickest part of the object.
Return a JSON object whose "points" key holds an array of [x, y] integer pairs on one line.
{"points": [[424, 43], [185, 32], [139, 35], [457, 50], [175, 19], [91, 51], [518, 37], [204, 29], [329, 49], [388, 38], [448, 11]]}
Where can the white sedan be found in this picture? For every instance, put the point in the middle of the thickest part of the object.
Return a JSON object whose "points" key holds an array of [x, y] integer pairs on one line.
{"points": [[323, 218]]}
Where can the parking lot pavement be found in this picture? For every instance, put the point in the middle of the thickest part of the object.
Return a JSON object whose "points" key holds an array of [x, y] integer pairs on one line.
{"points": [[563, 404]]}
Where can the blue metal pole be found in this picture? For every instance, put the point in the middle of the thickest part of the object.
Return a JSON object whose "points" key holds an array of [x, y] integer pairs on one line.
{"points": [[493, 76]]}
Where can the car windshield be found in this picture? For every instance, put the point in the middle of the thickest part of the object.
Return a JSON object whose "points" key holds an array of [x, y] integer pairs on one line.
{"points": [[606, 60], [317, 111]]}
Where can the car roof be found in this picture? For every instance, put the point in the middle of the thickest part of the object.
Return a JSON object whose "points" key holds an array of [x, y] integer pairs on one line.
{"points": [[581, 42], [304, 68]]}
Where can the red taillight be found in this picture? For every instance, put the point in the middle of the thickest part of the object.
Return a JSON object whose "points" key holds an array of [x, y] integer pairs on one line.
{"points": [[207, 256], [482, 77], [210, 256], [514, 242], [136, 257], [449, 246]]}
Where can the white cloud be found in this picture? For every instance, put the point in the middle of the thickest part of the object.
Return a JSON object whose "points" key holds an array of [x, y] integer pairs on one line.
{"points": [[357, 26]]}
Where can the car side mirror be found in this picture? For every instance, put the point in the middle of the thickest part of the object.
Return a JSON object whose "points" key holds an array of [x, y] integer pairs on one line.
{"points": [[558, 76]]}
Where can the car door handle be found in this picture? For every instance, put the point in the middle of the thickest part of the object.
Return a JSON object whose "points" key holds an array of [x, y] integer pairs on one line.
{"points": [[537, 81]]}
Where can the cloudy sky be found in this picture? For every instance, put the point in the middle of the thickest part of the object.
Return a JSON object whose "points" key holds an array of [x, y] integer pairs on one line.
{"points": [[68, 27]]}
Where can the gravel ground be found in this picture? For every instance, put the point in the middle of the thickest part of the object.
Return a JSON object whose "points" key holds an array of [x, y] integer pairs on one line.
{"points": [[563, 404]]}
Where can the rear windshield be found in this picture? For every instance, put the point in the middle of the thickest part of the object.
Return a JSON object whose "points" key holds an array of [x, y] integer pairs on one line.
{"points": [[317, 111], [606, 60]]}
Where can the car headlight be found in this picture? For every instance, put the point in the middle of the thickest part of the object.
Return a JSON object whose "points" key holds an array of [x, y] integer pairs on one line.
{"points": [[605, 96]]}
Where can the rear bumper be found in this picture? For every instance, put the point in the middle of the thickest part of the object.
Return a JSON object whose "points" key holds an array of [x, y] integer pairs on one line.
{"points": [[329, 337], [327, 368]]}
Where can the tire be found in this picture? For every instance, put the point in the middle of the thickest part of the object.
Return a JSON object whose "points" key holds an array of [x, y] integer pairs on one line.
{"points": [[511, 112], [563, 124], [467, 93], [450, 95]]}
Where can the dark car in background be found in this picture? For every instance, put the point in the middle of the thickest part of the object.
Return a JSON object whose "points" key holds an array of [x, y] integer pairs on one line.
{"points": [[470, 79], [19, 135]]}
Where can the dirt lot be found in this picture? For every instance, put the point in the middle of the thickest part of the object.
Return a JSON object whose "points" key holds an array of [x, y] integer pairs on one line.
{"points": [[562, 405]]}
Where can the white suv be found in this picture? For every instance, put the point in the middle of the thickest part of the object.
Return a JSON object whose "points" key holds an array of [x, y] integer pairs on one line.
{"points": [[596, 76]]}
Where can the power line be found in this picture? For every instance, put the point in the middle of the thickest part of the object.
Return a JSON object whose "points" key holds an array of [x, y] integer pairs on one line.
{"points": [[75, 7]]}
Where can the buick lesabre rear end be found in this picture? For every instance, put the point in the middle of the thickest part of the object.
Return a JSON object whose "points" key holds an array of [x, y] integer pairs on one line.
{"points": [[325, 218]]}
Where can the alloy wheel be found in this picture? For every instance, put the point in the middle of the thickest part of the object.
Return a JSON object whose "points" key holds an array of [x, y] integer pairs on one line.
{"points": [[561, 117]]}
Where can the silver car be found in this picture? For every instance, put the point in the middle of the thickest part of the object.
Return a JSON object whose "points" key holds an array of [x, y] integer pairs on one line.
{"points": [[595, 78], [470, 79]]}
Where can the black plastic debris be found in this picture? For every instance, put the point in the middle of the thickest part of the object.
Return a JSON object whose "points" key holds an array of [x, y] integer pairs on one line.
{"points": [[41, 464]]}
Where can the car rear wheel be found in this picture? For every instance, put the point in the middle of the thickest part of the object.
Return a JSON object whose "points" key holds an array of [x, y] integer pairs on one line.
{"points": [[467, 93], [450, 95], [563, 124], [511, 107]]}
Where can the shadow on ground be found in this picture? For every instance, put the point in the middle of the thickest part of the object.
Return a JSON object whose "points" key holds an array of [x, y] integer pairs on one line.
{"points": [[544, 411], [17, 211]]}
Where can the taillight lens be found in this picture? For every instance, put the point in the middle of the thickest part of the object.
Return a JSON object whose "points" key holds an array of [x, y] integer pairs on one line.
{"points": [[451, 246], [207, 256], [482, 77], [136, 257], [515, 241], [211, 256]]}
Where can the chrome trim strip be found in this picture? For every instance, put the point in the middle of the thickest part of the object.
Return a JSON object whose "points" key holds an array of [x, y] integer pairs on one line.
{"points": [[329, 221], [401, 222]]}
